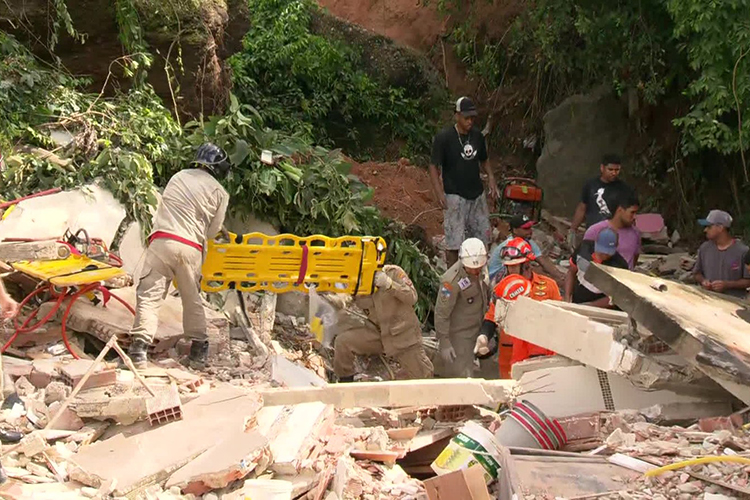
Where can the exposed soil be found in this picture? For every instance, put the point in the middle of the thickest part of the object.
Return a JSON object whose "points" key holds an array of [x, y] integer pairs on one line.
{"points": [[402, 192], [405, 21]]}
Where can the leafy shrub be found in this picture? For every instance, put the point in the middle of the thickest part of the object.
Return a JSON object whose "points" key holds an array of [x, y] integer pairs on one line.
{"points": [[306, 84]]}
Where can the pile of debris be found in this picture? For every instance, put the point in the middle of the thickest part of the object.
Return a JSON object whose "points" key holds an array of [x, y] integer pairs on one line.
{"points": [[69, 435], [622, 383], [645, 402]]}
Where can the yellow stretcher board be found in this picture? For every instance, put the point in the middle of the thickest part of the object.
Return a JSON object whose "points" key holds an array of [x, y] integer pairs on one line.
{"points": [[288, 263], [76, 270]]}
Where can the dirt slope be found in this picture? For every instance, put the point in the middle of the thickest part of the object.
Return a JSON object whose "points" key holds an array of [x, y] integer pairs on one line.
{"points": [[403, 192]]}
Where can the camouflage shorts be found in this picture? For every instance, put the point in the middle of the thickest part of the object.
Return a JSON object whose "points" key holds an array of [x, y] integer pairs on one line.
{"points": [[464, 219]]}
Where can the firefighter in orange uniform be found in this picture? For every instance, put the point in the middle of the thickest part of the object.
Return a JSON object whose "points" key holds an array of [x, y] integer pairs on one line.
{"points": [[520, 281]]}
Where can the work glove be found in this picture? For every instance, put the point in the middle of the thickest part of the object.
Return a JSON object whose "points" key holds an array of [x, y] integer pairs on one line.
{"points": [[383, 281], [338, 300], [485, 346], [482, 346], [447, 352]]}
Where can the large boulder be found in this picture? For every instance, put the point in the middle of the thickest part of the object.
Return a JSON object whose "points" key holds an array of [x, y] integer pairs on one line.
{"points": [[577, 133]]}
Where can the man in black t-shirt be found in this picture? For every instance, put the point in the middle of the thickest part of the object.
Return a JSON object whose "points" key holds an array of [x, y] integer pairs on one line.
{"points": [[592, 207], [460, 151]]}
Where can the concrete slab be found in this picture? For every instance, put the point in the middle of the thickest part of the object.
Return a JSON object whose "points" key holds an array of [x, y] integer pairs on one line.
{"points": [[115, 319], [293, 431], [208, 420], [710, 331], [572, 390], [91, 207], [570, 331], [398, 393], [233, 458], [291, 374], [263, 489]]}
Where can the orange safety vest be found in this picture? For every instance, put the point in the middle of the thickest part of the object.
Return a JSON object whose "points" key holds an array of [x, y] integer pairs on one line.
{"points": [[513, 350]]}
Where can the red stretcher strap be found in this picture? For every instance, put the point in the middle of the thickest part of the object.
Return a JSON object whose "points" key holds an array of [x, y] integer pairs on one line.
{"points": [[303, 265], [163, 235]]}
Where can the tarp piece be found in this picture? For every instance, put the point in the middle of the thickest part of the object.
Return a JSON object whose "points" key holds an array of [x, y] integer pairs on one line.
{"points": [[712, 332]]}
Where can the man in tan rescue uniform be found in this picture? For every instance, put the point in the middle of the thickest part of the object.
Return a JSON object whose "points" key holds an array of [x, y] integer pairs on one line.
{"points": [[460, 307], [392, 328], [191, 211]]}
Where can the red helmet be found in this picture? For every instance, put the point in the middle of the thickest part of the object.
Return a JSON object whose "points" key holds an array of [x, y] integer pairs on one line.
{"points": [[513, 286], [517, 251]]}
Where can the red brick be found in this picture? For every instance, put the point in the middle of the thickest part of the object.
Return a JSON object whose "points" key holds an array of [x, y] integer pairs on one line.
{"points": [[712, 424]]}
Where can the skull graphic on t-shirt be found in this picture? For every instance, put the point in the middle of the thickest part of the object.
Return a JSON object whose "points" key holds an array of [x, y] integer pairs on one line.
{"points": [[468, 152]]}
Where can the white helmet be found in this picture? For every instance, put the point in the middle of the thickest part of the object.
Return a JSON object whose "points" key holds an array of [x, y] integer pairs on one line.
{"points": [[473, 253]]}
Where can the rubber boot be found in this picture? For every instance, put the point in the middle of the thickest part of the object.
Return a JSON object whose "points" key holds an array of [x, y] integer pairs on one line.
{"points": [[198, 354], [348, 379], [138, 354]]}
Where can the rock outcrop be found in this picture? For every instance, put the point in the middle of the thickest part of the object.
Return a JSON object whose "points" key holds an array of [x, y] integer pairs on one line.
{"points": [[577, 133]]}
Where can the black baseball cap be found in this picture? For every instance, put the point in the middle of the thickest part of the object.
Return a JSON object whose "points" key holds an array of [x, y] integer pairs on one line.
{"points": [[466, 107], [521, 221]]}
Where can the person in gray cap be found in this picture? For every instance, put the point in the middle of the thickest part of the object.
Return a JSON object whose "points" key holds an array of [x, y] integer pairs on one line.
{"points": [[460, 152], [720, 263]]}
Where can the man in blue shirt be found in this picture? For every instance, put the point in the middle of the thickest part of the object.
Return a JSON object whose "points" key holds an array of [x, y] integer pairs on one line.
{"points": [[520, 226]]}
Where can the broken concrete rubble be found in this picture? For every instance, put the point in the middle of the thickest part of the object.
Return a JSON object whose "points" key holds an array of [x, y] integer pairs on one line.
{"points": [[209, 420], [571, 388], [710, 332], [613, 379], [72, 373], [293, 432], [602, 339]]}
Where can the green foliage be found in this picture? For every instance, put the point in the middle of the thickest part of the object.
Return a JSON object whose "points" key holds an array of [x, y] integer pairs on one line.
{"points": [[138, 58], [662, 48], [307, 192], [715, 36], [116, 139], [573, 45], [23, 90], [59, 19], [131, 143], [307, 84], [34, 99]]}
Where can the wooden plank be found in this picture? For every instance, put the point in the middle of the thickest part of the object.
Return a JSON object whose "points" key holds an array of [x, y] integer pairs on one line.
{"points": [[426, 438], [710, 332], [397, 393]]}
